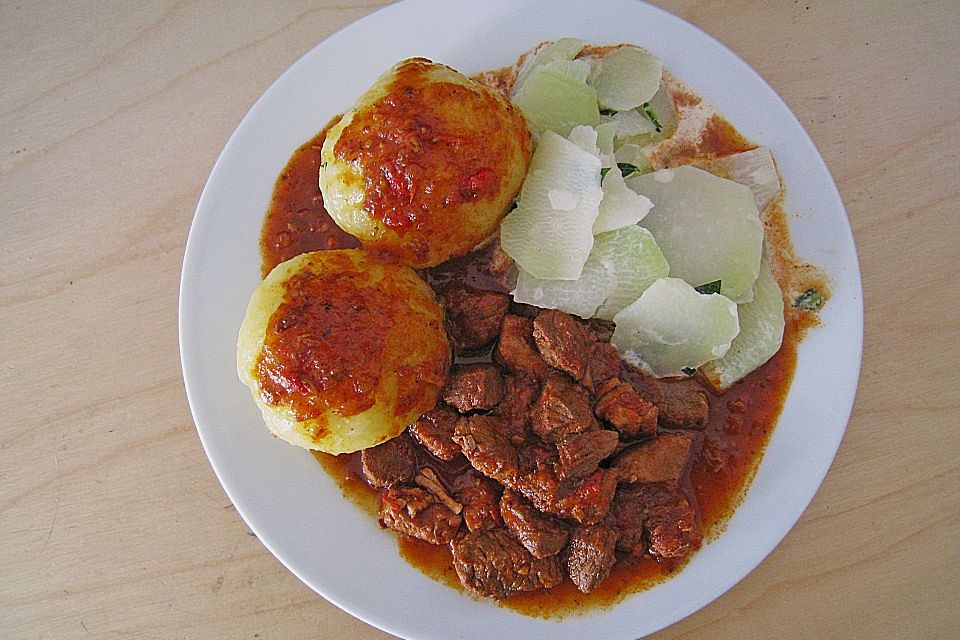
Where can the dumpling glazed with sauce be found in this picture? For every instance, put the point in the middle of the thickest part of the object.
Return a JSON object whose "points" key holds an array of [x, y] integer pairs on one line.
{"points": [[342, 351], [426, 164]]}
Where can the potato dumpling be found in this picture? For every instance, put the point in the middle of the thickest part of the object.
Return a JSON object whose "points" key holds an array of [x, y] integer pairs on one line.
{"points": [[342, 351], [426, 164]]}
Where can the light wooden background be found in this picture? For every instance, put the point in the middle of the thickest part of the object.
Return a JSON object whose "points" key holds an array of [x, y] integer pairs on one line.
{"points": [[112, 523]]}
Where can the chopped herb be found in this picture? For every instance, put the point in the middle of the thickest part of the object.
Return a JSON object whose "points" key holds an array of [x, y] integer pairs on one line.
{"points": [[710, 287], [809, 300], [647, 109], [690, 371], [607, 112], [626, 170]]}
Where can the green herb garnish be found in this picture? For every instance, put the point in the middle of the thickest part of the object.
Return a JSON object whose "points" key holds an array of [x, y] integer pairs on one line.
{"points": [[626, 170], [648, 110], [710, 287], [690, 371], [809, 300]]}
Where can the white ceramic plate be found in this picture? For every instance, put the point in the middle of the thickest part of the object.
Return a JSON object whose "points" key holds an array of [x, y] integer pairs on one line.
{"points": [[295, 508]]}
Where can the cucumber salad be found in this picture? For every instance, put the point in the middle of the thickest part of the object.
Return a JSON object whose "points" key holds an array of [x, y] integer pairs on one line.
{"points": [[674, 256]]}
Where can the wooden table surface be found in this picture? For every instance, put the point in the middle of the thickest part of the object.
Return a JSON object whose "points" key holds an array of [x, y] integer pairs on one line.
{"points": [[111, 519]]}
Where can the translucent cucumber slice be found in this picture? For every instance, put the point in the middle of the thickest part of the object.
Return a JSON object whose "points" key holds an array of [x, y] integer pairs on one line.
{"points": [[605, 133], [659, 112], [620, 206], [586, 138], [621, 265], [580, 297], [661, 105], [708, 228], [631, 154], [633, 261], [625, 78], [629, 123], [672, 327], [574, 69], [549, 234], [562, 49], [553, 101], [756, 170], [761, 333]]}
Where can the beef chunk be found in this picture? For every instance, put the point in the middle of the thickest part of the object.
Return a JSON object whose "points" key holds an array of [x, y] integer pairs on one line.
{"points": [[542, 535], [590, 555], [562, 408], [493, 563], [586, 501], [488, 448], [480, 497], [434, 431], [672, 530], [516, 350], [604, 365], [474, 386], [655, 517], [580, 453], [601, 330], [658, 460], [680, 404], [475, 316], [630, 508], [622, 407], [682, 408], [518, 396], [392, 462], [563, 342], [418, 513], [496, 263]]}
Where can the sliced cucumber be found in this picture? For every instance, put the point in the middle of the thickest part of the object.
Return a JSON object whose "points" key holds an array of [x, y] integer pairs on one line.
{"points": [[672, 327]]}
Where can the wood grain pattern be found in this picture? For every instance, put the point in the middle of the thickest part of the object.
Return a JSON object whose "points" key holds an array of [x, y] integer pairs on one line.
{"points": [[113, 524]]}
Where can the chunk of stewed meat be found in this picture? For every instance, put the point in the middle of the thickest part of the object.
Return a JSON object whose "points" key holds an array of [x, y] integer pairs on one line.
{"points": [[563, 341], [496, 262], [516, 350], [601, 330], [658, 460], [390, 463], [480, 497], [580, 453], [590, 555], [562, 408], [488, 448], [586, 501], [655, 518], [629, 512], [540, 534], [604, 365], [628, 413], [492, 563], [681, 408], [680, 404], [519, 394], [475, 317], [418, 513], [672, 530], [434, 431], [474, 386]]}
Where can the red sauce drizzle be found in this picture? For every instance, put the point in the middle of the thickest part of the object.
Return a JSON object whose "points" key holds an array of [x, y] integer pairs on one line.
{"points": [[318, 355], [450, 165]]}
